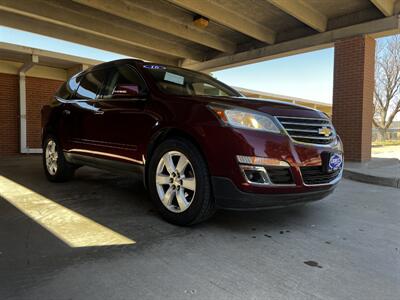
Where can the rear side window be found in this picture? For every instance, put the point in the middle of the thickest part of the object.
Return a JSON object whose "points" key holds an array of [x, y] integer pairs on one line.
{"points": [[122, 75], [68, 89], [90, 85]]}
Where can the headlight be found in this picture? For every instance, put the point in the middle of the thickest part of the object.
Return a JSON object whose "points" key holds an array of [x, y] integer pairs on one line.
{"points": [[241, 118]]}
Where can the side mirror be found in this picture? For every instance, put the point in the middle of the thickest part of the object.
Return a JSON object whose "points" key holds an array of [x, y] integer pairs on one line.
{"points": [[126, 91]]}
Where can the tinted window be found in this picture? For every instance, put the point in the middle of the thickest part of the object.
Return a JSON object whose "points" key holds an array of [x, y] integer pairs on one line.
{"points": [[90, 84], [68, 88], [122, 75]]}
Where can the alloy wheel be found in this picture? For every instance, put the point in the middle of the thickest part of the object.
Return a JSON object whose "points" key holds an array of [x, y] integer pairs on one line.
{"points": [[175, 181], [51, 157]]}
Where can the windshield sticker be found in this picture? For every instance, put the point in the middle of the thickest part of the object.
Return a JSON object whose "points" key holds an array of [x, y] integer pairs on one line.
{"points": [[174, 78], [154, 67]]}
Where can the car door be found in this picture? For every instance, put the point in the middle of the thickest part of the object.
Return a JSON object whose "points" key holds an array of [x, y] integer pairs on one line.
{"points": [[65, 96], [125, 124], [82, 112]]}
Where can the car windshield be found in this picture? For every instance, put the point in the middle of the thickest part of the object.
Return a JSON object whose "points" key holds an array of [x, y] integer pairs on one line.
{"points": [[177, 81]]}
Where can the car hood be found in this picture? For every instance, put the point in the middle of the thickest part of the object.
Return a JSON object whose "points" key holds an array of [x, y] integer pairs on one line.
{"points": [[271, 107]]}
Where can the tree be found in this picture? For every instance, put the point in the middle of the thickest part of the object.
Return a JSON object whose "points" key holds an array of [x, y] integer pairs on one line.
{"points": [[387, 84]]}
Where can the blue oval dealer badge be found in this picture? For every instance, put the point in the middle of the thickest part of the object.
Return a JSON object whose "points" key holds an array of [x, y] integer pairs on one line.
{"points": [[335, 162]]}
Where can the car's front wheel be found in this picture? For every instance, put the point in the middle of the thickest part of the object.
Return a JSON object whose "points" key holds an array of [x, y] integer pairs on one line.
{"points": [[56, 168], [179, 183]]}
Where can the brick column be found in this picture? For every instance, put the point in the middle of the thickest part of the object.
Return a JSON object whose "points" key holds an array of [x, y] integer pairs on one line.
{"points": [[9, 129], [353, 89]]}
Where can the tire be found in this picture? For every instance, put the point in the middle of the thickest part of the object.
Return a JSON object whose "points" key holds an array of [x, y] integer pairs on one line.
{"points": [[56, 168], [187, 193]]}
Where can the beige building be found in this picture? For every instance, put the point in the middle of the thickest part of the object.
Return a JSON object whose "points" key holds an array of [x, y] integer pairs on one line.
{"points": [[28, 79], [324, 107]]}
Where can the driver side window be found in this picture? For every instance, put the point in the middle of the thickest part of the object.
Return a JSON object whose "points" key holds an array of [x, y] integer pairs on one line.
{"points": [[90, 85], [123, 76]]}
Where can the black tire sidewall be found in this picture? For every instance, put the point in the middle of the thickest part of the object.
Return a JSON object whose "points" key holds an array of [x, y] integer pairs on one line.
{"points": [[203, 187]]}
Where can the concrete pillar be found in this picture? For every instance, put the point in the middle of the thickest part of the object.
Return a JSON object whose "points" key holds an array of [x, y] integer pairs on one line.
{"points": [[353, 89]]}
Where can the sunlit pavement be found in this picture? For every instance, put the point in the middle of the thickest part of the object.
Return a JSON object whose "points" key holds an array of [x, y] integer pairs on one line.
{"points": [[344, 247], [386, 152]]}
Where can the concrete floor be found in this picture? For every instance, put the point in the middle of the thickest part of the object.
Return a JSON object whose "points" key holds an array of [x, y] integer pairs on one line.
{"points": [[344, 247]]}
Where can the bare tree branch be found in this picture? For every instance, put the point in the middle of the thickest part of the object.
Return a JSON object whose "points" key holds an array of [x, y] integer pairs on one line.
{"points": [[387, 83]]}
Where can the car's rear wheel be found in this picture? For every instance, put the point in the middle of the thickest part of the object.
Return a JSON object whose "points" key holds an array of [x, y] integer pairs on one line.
{"points": [[179, 183], [56, 168]]}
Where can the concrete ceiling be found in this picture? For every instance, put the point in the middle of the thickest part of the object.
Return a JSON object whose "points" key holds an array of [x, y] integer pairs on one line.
{"points": [[239, 31]]}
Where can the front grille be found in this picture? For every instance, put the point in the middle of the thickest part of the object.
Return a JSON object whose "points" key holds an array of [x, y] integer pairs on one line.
{"points": [[316, 175], [308, 130], [279, 175]]}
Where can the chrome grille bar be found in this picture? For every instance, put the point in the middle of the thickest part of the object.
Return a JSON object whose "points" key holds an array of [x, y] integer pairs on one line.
{"points": [[304, 118], [302, 130], [310, 137], [306, 124]]}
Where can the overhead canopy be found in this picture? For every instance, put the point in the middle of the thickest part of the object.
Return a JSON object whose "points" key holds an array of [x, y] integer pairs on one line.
{"points": [[238, 32], [45, 58]]}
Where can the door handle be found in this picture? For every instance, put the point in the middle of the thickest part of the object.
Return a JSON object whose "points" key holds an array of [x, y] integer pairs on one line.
{"points": [[99, 112], [66, 112]]}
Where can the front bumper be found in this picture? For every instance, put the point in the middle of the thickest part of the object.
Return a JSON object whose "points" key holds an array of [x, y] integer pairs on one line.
{"points": [[232, 190], [222, 157], [228, 196]]}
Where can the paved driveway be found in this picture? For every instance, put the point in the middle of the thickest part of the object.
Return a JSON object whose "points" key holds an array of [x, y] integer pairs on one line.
{"points": [[344, 247]]}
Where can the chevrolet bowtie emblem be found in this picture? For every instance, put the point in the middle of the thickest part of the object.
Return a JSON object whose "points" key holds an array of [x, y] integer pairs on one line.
{"points": [[325, 131]]}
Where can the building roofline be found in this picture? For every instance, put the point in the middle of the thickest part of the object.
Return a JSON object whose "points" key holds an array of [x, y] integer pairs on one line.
{"points": [[280, 97], [48, 56]]}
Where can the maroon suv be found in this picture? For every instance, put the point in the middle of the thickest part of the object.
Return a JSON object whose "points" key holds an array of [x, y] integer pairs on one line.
{"points": [[199, 144]]}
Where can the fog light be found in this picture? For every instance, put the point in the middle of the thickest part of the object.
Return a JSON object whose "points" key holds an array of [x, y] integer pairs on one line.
{"points": [[254, 174]]}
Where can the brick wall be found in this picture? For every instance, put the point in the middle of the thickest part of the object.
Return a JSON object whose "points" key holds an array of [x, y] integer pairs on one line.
{"points": [[352, 95], [9, 111], [39, 92]]}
